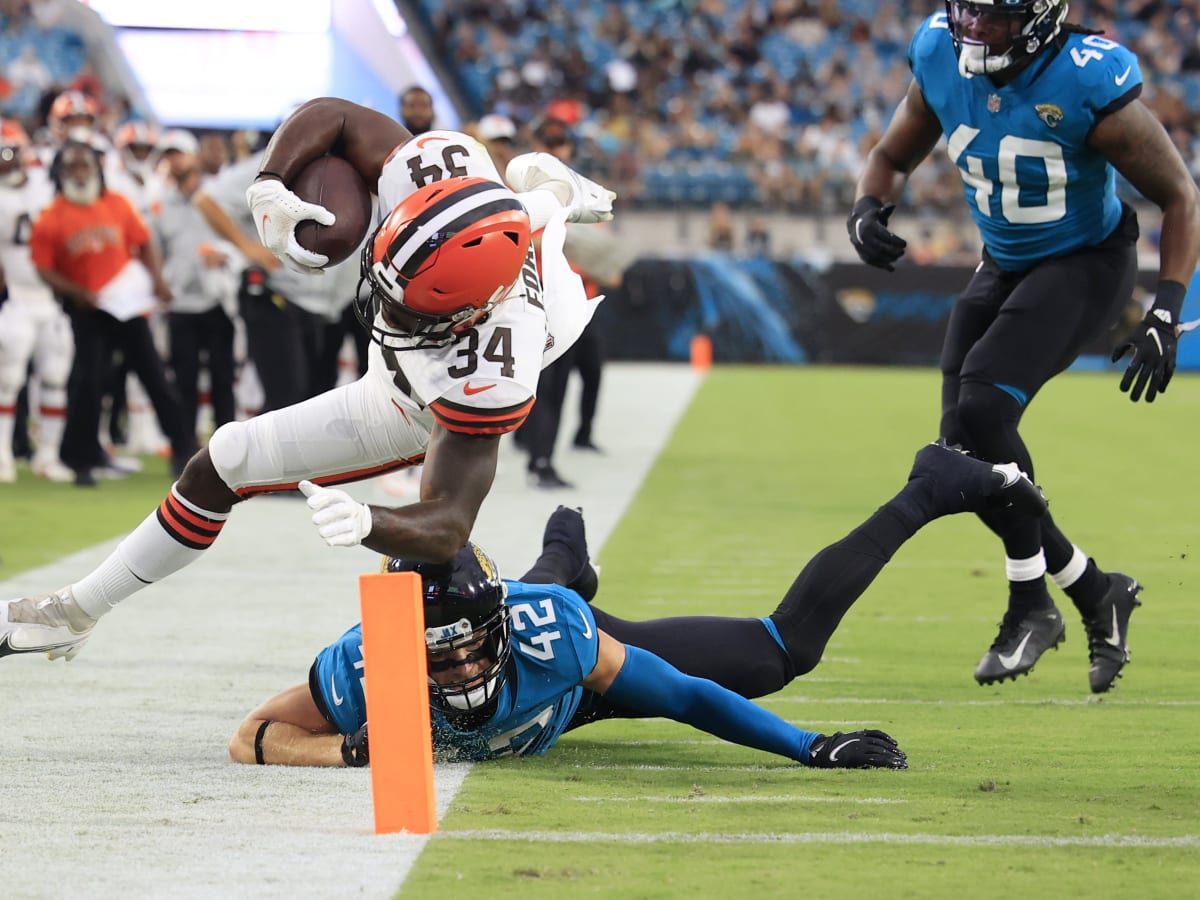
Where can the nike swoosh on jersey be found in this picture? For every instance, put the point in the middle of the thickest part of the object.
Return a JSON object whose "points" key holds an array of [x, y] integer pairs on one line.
{"points": [[587, 626], [1011, 661], [337, 701], [1120, 79], [842, 746], [472, 391]]}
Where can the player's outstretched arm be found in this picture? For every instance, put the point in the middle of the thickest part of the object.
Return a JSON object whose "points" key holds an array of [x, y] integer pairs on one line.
{"points": [[643, 681], [459, 470], [287, 730], [1139, 148]]}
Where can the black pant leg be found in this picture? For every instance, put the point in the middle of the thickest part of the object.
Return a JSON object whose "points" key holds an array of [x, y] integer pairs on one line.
{"points": [[186, 334], [138, 344], [85, 388], [218, 332]]}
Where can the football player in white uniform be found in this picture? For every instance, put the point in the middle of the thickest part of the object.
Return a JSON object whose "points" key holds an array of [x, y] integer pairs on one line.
{"points": [[461, 329], [33, 325]]}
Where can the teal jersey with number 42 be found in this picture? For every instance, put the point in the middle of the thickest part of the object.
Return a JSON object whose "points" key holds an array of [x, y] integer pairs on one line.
{"points": [[1033, 185]]}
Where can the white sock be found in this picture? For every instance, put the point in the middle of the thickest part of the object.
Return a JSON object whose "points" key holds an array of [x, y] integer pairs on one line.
{"points": [[171, 537], [8, 423], [1072, 571], [1025, 569]]}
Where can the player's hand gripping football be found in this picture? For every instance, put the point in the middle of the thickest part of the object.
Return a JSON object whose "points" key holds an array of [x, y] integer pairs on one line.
{"points": [[869, 749], [869, 234], [355, 749], [340, 519], [277, 211]]}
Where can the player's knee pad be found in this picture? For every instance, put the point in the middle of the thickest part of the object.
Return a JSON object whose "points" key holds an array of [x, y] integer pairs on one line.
{"points": [[12, 376], [229, 451], [985, 413]]}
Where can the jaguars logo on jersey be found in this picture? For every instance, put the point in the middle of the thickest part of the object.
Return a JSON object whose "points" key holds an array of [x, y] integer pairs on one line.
{"points": [[1050, 113]]}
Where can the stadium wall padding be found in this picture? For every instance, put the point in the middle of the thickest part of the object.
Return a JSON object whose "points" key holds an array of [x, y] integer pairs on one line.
{"points": [[770, 311]]}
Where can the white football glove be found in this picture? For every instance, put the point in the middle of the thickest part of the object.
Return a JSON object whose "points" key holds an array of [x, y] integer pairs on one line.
{"points": [[277, 211], [340, 519], [586, 201]]}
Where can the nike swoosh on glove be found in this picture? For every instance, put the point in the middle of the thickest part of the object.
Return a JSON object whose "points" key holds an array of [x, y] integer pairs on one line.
{"points": [[277, 211], [869, 749], [1153, 343], [340, 519]]}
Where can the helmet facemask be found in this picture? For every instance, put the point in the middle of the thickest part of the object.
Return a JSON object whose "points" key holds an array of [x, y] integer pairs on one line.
{"points": [[488, 642], [991, 36]]}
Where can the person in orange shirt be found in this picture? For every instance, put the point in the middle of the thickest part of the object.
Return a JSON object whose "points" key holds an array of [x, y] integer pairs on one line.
{"points": [[94, 251]]}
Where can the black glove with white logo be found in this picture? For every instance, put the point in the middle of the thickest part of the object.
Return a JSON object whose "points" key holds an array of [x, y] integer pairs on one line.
{"points": [[857, 750], [869, 233], [355, 752], [1153, 344]]}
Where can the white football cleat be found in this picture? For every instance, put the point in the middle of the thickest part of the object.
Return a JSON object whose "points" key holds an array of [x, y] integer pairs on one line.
{"points": [[52, 469], [52, 624], [587, 201]]}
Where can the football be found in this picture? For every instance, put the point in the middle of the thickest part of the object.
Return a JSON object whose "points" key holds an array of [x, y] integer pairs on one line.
{"points": [[336, 185]]}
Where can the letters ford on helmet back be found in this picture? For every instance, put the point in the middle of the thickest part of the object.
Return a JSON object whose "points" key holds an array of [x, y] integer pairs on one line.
{"points": [[993, 35], [440, 261]]}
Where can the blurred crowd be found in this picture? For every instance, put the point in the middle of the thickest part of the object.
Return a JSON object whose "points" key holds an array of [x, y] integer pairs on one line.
{"points": [[770, 103]]}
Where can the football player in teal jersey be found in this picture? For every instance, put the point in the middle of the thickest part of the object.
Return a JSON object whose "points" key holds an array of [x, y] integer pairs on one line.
{"points": [[515, 664], [1039, 116]]}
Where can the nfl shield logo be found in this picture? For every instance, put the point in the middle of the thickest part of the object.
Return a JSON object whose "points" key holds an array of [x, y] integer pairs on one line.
{"points": [[993, 103]]}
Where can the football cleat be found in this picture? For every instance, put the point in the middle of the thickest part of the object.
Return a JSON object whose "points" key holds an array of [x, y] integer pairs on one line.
{"points": [[565, 527], [52, 624], [1020, 644], [587, 201], [1108, 631], [51, 469], [958, 482]]}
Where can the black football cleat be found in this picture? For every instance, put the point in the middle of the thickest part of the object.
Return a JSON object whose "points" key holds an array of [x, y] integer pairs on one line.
{"points": [[565, 527], [958, 482], [1020, 644], [1108, 631]]}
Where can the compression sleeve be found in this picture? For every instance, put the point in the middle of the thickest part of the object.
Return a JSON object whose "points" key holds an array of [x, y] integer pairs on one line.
{"points": [[650, 684]]}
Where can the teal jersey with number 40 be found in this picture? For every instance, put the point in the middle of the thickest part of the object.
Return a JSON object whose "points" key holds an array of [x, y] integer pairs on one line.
{"points": [[1033, 185]]}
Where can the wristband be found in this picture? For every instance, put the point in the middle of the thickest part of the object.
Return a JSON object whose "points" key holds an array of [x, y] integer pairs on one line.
{"points": [[258, 739], [265, 174], [1170, 297]]}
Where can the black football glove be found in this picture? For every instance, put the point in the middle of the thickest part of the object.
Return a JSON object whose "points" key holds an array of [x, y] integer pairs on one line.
{"points": [[869, 233], [1153, 343], [355, 752], [857, 750]]}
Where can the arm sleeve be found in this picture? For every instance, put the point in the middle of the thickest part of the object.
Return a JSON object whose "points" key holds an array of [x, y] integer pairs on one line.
{"points": [[651, 685]]}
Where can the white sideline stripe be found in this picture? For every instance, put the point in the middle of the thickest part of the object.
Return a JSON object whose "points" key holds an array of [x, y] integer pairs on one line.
{"points": [[1049, 701], [774, 798], [1133, 841]]}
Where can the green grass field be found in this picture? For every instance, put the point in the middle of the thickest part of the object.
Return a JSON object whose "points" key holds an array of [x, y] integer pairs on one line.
{"points": [[1032, 789]]}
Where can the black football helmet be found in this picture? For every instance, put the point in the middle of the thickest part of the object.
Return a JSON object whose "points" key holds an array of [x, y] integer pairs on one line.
{"points": [[993, 35], [464, 608]]}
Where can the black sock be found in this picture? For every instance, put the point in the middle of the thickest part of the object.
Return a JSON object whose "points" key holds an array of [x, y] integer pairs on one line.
{"points": [[1088, 590], [1025, 597]]}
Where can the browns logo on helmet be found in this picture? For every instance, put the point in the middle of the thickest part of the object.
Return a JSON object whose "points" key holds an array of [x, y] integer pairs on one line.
{"points": [[441, 261]]}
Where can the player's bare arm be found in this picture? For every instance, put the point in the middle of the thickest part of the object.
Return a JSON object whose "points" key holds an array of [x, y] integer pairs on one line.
{"points": [[610, 657], [1139, 148], [459, 470], [296, 734], [910, 137], [362, 136]]}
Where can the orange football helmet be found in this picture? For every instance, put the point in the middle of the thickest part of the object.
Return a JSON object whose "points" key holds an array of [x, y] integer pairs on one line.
{"points": [[69, 106], [136, 134], [441, 261]]}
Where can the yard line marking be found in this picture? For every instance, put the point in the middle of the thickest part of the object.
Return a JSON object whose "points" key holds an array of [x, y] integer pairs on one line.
{"points": [[1049, 701], [705, 798], [834, 837]]}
